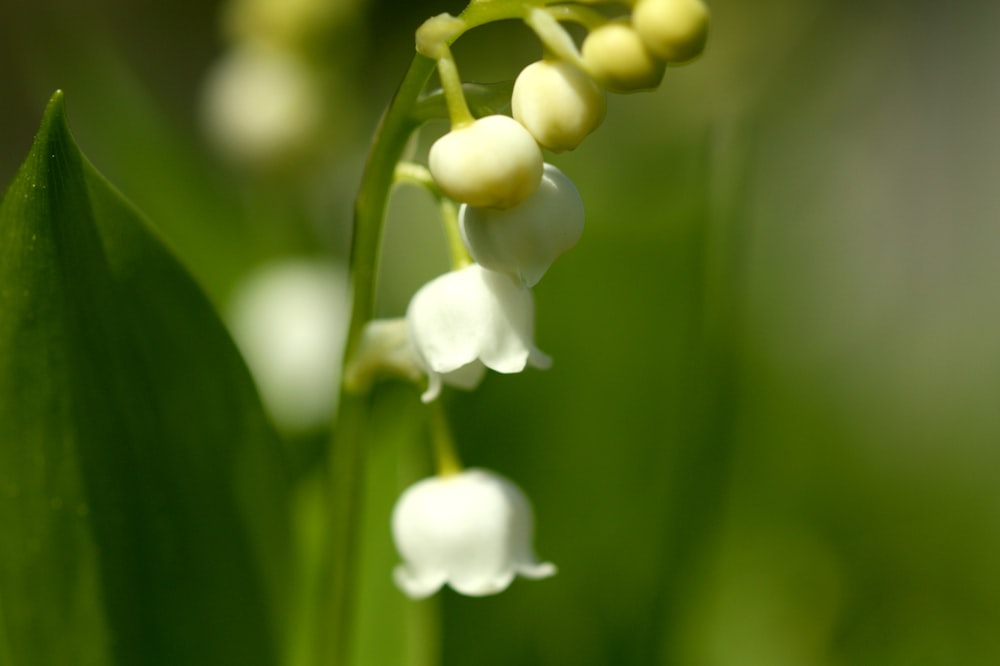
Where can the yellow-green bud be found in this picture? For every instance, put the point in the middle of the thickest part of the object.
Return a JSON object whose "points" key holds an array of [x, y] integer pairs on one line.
{"points": [[674, 30], [557, 103], [492, 163], [618, 59]]}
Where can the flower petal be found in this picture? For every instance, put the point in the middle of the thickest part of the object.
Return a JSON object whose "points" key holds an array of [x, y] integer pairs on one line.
{"points": [[474, 314]]}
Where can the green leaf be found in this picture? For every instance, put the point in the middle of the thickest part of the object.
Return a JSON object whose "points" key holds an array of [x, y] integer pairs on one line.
{"points": [[484, 99], [142, 501]]}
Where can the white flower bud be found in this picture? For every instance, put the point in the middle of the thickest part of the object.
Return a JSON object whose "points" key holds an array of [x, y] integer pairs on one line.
{"points": [[523, 241], [674, 30], [557, 103], [618, 59], [494, 162], [471, 530]]}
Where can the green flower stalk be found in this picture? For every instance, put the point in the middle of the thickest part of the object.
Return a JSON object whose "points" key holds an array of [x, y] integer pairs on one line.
{"points": [[480, 315]]}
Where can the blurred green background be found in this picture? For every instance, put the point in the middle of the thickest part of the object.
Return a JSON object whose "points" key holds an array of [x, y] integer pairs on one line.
{"points": [[771, 432]]}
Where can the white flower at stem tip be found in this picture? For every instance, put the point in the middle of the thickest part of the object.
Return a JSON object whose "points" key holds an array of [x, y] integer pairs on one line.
{"points": [[523, 241], [471, 530], [469, 318]]}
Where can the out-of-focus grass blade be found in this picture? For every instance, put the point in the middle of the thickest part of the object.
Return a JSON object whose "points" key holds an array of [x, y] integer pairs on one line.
{"points": [[142, 500]]}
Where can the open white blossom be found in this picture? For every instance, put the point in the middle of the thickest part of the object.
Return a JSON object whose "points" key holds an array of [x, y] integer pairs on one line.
{"points": [[523, 241], [472, 530], [469, 318]]}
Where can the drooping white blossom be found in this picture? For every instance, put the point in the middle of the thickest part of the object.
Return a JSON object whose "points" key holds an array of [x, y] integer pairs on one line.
{"points": [[469, 318], [492, 162], [472, 530], [523, 241], [289, 320]]}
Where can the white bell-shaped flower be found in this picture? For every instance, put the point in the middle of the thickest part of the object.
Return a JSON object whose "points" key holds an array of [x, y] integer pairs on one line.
{"points": [[557, 103], [523, 241], [289, 319], [674, 30], [470, 318], [618, 59], [492, 162], [472, 530], [262, 106]]}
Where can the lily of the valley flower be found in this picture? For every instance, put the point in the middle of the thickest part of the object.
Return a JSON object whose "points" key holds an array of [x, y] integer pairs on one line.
{"points": [[492, 162], [288, 319], [471, 530], [470, 318], [523, 241]]}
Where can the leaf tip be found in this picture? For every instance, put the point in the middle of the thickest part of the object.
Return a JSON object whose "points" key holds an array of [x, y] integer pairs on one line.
{"points": [[55, 111]]}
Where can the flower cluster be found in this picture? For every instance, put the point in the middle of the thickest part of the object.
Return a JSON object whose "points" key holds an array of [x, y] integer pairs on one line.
{"points": [[516, 214]]}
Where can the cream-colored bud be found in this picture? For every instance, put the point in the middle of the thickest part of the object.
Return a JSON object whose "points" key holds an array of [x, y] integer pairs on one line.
{"points": [[557, 103], [674, 30], [618, 59], [492, 163]]}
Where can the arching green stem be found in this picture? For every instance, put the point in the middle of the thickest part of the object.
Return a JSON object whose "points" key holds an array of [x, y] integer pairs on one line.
{"points": [[346, 458]]}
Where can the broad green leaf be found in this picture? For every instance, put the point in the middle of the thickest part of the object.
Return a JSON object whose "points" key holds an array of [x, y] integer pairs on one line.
{"points": [[483, 99], [142, 500]]}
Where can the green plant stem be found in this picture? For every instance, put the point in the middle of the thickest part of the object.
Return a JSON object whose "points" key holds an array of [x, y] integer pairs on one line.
{"points": [[417, 174], [585, 16], [346, 459], [445, 454], [451, 82], [369, 208]]}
